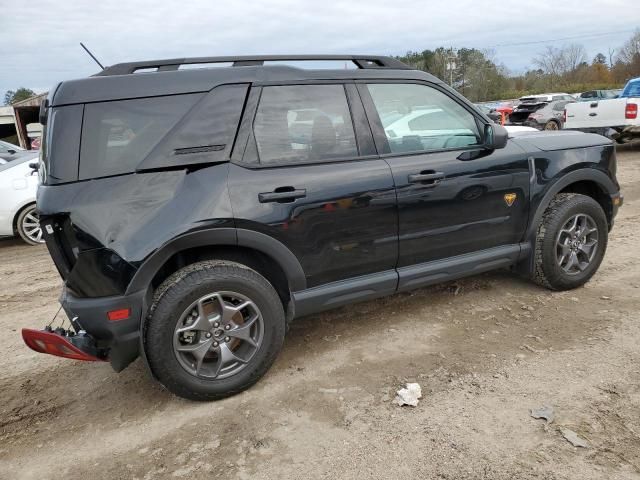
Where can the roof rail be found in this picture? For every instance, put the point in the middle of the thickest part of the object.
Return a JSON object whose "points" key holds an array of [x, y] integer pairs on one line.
{"points": [[361, 61]]}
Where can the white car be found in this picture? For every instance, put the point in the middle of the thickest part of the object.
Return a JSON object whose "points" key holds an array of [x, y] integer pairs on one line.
{"points": [[18, 186]]}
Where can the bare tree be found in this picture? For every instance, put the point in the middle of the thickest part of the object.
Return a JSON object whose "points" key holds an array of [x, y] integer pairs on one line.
{"points": [[559, 62], [547, 61], [630, 51], [572, 56], [611, 52]]}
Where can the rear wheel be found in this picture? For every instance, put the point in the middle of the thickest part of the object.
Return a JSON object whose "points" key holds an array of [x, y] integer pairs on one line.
{"points": [[551, 125], [214, 329], [28, 226], [571, 242]]}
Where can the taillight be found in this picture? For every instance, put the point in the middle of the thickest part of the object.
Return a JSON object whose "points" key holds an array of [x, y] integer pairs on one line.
{"points": [[631, 111], [54, 344], [120, 314]]}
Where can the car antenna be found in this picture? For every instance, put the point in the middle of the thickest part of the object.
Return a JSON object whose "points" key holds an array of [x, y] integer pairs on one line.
{"points": [[91, 55]]}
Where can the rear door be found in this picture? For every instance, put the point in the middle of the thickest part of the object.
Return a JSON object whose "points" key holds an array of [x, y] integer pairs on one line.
{"points": [[306, 173], [454, 196]]}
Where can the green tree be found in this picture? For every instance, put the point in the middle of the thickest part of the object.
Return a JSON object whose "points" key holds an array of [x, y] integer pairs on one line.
{"points": [[599, 59], [13, 96]]}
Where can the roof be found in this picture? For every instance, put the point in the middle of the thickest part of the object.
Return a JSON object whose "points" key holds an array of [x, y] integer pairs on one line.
{"points": [[122, 82]]}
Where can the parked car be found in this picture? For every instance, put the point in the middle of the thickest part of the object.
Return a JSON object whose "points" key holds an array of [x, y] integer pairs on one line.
{"points": [[616, 118], [598, 95], [489, 112], [528, 106], [520, 113], [18, 186], [545, 97], [194, 239], [9, 151], [549, 116]]}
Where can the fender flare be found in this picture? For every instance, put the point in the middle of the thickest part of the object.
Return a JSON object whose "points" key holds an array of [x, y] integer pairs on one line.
{"points": [[221, 237], [584, 174]]}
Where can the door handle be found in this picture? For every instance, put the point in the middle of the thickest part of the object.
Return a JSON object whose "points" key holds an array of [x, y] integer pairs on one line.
{"points": [[430, 179], [594, 104], [593, 114], [282, 195]]}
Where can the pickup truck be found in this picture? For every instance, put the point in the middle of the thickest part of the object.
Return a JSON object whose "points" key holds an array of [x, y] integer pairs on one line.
{"points": [[616, 118]]}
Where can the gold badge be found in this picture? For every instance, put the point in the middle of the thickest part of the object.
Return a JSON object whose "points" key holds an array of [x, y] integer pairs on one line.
{"points": [[509, 198]]}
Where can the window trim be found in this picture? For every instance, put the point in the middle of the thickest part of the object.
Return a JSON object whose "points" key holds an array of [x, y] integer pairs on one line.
{"points": [[379, 135], [245, 135]]}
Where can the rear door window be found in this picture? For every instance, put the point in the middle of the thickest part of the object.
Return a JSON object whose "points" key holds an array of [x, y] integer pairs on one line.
{"points": [[117, 136], [303, 124]]}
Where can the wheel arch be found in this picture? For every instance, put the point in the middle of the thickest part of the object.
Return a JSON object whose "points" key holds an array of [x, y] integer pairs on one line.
{"points": [[265, 254], [585, 181]]}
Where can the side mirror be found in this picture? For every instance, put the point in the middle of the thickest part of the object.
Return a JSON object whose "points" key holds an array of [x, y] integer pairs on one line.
{"points": [[495, 137], [11, 151], [34, 166]]}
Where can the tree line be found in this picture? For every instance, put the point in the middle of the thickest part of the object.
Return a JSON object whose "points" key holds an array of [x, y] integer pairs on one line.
{"points": [[477, 75]]}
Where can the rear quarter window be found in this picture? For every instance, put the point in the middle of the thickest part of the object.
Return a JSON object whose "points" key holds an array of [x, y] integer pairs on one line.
{"points": [[118, 135]]}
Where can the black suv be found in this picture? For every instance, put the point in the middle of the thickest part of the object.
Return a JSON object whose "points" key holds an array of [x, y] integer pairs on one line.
{"points": [[194, 212]]}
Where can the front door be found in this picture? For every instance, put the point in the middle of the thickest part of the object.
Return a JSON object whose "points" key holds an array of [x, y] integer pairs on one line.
{"points": [[454, 196], [309, 177]]}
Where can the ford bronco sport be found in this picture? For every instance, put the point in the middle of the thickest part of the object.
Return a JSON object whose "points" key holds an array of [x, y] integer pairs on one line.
{"points": [[193, 212]]}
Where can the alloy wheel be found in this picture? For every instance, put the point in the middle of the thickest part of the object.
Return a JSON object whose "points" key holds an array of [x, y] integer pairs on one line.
{"points": [[218, 334], [31, 226], [577, 244]]}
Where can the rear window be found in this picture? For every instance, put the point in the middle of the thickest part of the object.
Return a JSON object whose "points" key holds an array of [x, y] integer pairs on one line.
{"points": [[632, 89], [117, 136]]}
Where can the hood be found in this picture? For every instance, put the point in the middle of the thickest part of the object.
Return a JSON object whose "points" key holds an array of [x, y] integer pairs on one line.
{"points": [[563, 140]]}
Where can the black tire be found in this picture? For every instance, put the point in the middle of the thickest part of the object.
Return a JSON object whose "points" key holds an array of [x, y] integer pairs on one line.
{"points": [[563, 208], [24, 221], [176, 294]]}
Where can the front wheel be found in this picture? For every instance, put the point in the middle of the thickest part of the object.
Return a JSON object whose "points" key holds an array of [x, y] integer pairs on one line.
{"points": [[551, 125], [571, 242], [213, 330]]}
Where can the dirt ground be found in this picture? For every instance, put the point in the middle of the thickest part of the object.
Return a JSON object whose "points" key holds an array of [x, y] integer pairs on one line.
{"points": [[486, 350]]}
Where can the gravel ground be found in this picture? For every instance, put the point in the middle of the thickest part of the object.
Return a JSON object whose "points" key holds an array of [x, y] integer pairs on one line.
{"points": [[485, 350]]}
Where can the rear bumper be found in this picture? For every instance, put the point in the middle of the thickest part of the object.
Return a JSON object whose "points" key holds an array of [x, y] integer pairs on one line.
{"points": [[120, 338]]}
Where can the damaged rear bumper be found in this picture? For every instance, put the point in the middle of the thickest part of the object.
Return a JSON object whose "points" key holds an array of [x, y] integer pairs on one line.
{"points": [[109, 327], [119, 335]]}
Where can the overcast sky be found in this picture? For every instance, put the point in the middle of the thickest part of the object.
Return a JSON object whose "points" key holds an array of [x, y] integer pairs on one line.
{"points": [[39, 38]]}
